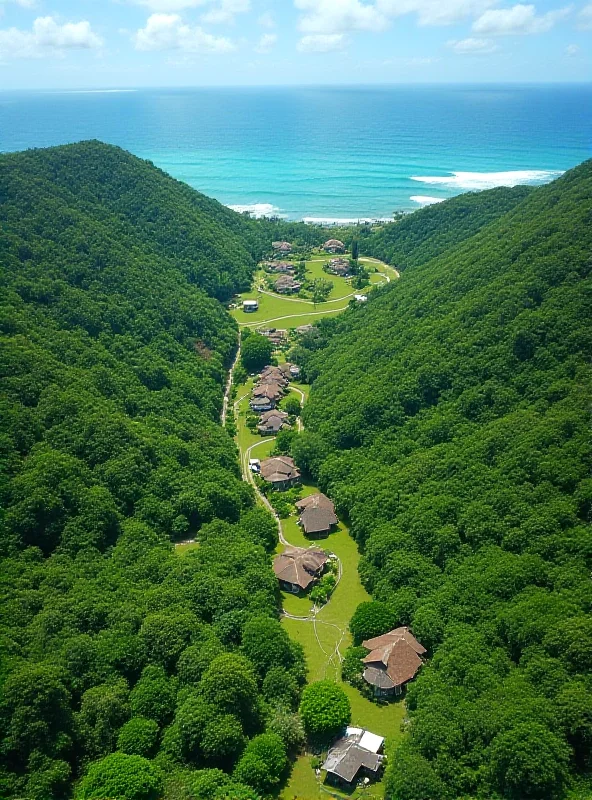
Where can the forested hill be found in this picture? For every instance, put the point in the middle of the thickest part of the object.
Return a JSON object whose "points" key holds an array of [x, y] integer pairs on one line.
{"points": [[449, 419], [113, 368], [430, 231]]}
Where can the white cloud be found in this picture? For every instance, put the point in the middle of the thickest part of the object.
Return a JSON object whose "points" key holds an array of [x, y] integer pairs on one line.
{"points": [[169, 6], [572, 50], [225, 13], [518, 20], [473, 46], [322, 43], [266, 20], [169, 32], [338, 16], [434, 12], [585, 17], [47, 37], [266, 42]]}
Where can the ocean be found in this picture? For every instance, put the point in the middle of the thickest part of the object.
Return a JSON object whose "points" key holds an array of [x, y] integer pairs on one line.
{"points": [[323, 153]]}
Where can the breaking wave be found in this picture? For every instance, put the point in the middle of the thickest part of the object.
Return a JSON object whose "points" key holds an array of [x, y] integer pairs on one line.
{"points": [[258, 210], [425, 200], [475, 181]]}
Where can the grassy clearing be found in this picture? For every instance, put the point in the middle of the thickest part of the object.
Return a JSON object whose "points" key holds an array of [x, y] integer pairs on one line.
{"points": [[181, 549]]}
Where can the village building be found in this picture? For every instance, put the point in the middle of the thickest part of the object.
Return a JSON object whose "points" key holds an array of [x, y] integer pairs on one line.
{"points": [[294, 371], [272, 422], [334, 246], [276, 336], [261, 404], [275, 374], [297, 567], [281, 247], [250, 305], [356, 755], [361, 298], [340, 267], [302, 330], [393, 661], [287, 285], [272, 391], [282, 267], [317, 515], [280, 471]]}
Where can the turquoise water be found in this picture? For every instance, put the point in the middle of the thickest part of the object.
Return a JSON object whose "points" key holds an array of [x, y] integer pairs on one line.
{"points": [[323, 153]]}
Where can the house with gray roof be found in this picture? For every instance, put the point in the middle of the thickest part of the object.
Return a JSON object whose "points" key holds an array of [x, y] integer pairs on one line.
{"points": [[355, 755], [317, 515]]}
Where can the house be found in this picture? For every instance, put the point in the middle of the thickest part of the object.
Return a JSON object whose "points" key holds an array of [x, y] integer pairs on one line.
{"points": [[273, 391], [275, 375], [317, 515], [250, 305], [281, 267], [287, 285], [339, 266], [276, 336], [272, 422], [261, 404], [280, 471], [393, 661], [294, 371], [281, 247], [357, 754], [334, 246], [302, 330], [360, 298], [297, 567]]}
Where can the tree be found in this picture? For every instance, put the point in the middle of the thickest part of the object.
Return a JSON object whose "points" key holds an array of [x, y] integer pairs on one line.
{"points": [[412, 777], [324, 709], [223, 740], [371, 619], [355, 249], [154, 695], [262, 763], [529, 761], [138, 737], [256, 352], [288, 726], [229, 685], [291, 405], [123, 777], [266, 644], [103, 711], [321, 289]]}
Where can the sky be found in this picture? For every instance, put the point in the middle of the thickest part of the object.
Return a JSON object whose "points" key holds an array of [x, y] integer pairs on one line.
{"points": [[97, 44]]}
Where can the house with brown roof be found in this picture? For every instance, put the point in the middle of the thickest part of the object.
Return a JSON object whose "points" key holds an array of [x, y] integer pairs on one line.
{"points": [[317, 515], [281, 247], [297, 567], [334, 246], [272, 422], [339, 266], [356, 754], [302, 330], [280, 471], [261, 404], [393, 661], [280, 267], [287, 285], [273, 391]]}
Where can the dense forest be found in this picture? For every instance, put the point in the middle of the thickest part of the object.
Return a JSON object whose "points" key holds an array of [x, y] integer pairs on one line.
{"points": [[124, 664], [449, 420], [426, 233]]}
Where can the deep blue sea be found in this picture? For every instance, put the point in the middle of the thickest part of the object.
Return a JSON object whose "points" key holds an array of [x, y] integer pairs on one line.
{"points": [[335, 153]]}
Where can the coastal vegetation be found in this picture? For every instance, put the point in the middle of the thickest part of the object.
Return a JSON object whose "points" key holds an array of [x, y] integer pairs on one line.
{"points": [[148, 652], [448, 420]]}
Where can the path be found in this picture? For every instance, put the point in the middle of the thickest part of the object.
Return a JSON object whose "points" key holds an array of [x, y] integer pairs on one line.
{"points": [[291, 316], [228, 388]]}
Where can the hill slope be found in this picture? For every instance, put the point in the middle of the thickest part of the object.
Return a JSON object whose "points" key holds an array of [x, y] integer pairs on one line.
{"points": [[430, 231], [449, 420], [113, 367]]}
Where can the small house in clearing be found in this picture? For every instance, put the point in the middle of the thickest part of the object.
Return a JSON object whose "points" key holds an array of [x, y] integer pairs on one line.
{"points": [[334, 246], [281, 247], [297, 567], [339, 266], [302, 330], [393, 661], [250, 305], [317, 515], [357, 754], [279, 267], [287, 285], [272, 422], [280, 471]]}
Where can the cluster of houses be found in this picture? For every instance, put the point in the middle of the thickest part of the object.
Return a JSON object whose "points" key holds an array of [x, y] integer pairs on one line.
{"points": [[277, 336], [270, 387]]}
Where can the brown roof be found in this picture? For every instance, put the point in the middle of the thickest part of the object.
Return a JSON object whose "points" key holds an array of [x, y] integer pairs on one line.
{"points": [[318, 520], [299, 565], [318, 500], [271, 390], [334, 243], [396, 653], [392, 636], [275, 413], [281, 245], [273, 423], [279, 468], [286, 282]]}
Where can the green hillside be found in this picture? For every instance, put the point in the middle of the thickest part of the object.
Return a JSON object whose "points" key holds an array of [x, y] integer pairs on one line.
{"points": [[114, 357], [449, 419], [432, 230]]}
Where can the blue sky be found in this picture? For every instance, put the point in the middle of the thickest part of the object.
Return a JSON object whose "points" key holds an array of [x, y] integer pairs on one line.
{"points": [[134, 43]]}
